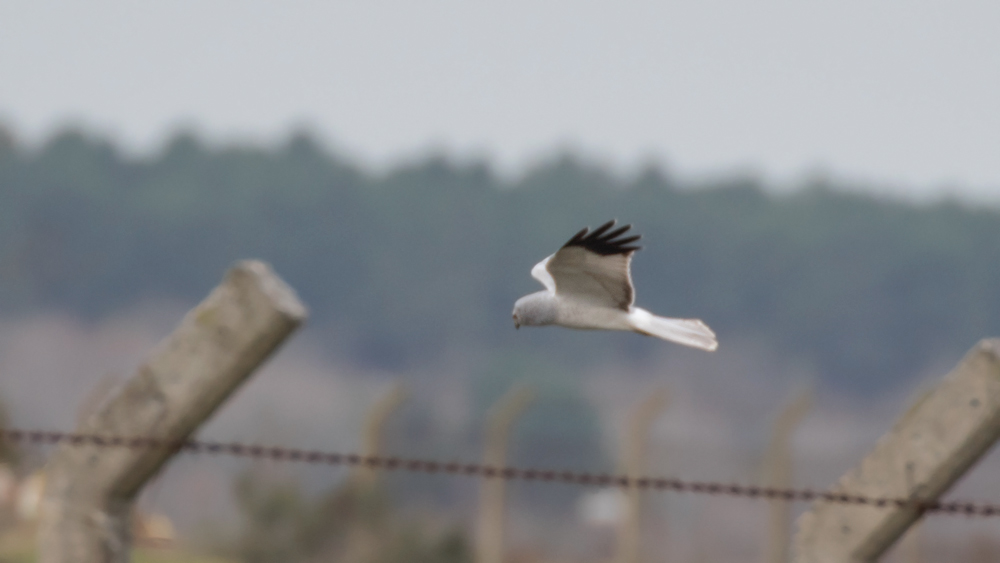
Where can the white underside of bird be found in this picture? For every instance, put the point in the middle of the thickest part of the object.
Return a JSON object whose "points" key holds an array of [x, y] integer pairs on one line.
{"points": [[588, 285]]}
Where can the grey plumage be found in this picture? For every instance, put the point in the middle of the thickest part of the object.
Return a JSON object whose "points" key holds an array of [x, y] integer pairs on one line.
{"points": [[588, 285]]}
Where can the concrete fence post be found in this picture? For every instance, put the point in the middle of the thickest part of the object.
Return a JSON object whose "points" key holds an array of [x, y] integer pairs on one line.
{"points": [[90, 491], [933, 444]]}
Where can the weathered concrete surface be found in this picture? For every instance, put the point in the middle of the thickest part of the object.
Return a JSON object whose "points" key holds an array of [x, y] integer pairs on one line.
{"points": [[930, 447], [86, 509]]}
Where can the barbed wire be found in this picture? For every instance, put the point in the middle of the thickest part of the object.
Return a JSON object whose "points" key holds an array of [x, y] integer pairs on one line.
{"points": [[392, 463]]}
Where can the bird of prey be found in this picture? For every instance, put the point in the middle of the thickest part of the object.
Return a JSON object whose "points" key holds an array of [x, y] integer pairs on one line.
{"points": [[588, 285]]}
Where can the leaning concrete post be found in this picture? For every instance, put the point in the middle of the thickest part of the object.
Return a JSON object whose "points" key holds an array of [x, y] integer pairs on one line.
{"points": [[933, 444], [86, 509], [371, 438], [778, 474], [490, 529], [633, 465], [912, 546]]}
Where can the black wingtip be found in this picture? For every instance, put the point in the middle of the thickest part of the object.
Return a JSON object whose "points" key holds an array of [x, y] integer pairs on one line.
{"points": [[578, 236], [605, 243]]}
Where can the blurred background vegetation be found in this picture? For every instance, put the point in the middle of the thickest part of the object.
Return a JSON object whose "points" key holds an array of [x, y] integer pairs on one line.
{"points": [[410, 265], [405, 270]]}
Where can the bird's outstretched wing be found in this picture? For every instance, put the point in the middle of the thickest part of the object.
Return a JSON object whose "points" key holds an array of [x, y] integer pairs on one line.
{"points": [[592, 267]]}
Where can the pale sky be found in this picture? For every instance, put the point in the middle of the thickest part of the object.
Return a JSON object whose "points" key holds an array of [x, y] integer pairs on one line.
{"points": [[905, 94]]}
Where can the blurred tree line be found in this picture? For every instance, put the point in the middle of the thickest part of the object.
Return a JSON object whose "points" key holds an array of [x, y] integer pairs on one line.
{"points": [[429, 257]]}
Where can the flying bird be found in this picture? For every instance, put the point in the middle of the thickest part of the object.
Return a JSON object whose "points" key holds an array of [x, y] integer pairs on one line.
{"points": [[588, 285]]}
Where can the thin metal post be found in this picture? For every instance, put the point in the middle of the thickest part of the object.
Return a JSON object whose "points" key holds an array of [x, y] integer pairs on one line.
{"points": [[371, 438], [490, 529], [633, 461], [778, 474]]}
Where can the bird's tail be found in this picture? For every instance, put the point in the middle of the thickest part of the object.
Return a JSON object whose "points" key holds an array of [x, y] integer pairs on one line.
{"points": [[689, 332]]}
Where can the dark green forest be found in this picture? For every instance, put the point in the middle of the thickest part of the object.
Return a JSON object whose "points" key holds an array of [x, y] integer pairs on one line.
{"points": [[405, 265]]}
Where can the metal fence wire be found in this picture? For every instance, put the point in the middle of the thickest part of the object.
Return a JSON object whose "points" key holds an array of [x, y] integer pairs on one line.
{"points": [[391, 463]]}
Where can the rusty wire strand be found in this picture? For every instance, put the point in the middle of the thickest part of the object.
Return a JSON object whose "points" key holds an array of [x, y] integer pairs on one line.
{"points": [[391, 463]]}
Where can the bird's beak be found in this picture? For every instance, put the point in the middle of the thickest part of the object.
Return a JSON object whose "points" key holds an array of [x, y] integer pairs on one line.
{"points": [[517, 324]]}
